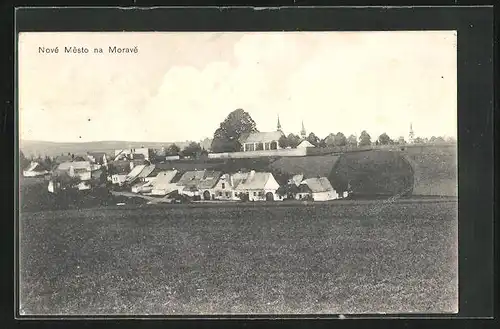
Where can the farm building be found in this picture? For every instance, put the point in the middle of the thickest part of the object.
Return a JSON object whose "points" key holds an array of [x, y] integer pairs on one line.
{"points": [[35, 170], [119, 172], [202, 186], [80, 169], [140, 181], [225, 187], [134, 173], [163, 183], [188, 181], [259, 186], [318, 189]]}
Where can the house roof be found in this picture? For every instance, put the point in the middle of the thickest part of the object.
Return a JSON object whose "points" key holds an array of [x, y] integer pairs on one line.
{"points": [[35, 166], [261, 137], [254, 181], [135, 172], [63, 158], [76, 165], [239, 177], [190, 177], [209, 180], [164, 179], [146, 171], [317, 185], [305, 143]]}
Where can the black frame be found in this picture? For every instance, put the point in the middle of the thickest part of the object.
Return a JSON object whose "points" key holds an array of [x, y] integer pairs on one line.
{"points": [[475, 100]]}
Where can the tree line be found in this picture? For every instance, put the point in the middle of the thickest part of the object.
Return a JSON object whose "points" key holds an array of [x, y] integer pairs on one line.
{"points": [[239, 122]]}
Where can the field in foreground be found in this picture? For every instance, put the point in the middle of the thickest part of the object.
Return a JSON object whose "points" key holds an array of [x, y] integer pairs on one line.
{"points": [[366, 257]]}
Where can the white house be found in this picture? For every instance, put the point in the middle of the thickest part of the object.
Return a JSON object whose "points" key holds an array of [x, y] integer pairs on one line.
{"points": [[319, 189], [224, 189], [34, 170], [80, 169], [259, 186]]}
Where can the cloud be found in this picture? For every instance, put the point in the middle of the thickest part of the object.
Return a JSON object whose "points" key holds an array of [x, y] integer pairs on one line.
{"points": [[182, 85]]}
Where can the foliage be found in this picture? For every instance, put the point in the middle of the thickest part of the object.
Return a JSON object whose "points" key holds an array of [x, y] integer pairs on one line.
{"points": [[192, 150], [226, 137], [401, 140], [384, 139], [340, 139], [365, 139], [283, 142], [313, 139], [352, 141], [329, 140], [293, 140], [172, 149], [23, 161]]}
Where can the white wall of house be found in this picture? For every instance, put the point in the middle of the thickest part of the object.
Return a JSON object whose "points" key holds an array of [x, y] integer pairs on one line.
{"points": [[118, 178]]}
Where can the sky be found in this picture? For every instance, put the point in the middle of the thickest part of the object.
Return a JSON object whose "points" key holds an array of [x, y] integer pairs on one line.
{"points": [[180, 86]]}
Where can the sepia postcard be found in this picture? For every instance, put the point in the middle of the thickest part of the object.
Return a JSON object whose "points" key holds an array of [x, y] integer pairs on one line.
{"points": [[237, 173]]}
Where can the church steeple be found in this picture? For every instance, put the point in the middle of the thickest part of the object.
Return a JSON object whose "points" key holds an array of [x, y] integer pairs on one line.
{"points": [[278, 126], [411, 135], [303, 131]]}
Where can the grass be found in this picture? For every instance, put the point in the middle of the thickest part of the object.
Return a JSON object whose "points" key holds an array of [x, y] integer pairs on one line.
{"points": [[322, 258]]}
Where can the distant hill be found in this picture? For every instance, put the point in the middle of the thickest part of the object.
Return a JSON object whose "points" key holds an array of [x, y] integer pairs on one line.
{"points": [[35, 148]]}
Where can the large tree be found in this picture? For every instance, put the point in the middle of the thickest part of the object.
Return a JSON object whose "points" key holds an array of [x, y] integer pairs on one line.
{"points": [[365, 139], [283, 142], [226, 137], [384, 139], [193, 149], [352, 141], [172, 149], [340, 139], [313, 139], [293, 140], [330, 140]]}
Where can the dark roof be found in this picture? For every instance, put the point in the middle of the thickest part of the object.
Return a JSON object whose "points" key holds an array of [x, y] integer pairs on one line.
{"points": [[210, 179], [138, 156], [63, 158]]}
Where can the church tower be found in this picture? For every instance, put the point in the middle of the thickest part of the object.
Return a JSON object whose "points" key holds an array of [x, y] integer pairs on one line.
{"points": [[411, 136], [278, 126], [303, 131]]}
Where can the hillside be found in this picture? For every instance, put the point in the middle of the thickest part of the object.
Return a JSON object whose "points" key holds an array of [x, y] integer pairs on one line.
{"points": [[435, 170], [52, 149]]}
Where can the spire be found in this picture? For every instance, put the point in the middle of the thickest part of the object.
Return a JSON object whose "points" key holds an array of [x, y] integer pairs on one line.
{"points": [[278, 126], [303, 131], [412, 134]]}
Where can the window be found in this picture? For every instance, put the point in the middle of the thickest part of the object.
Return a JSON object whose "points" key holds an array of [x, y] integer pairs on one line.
{"points": [[227, 194], [254, 193], [260, 193], [220, 193], [223, 185]]}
